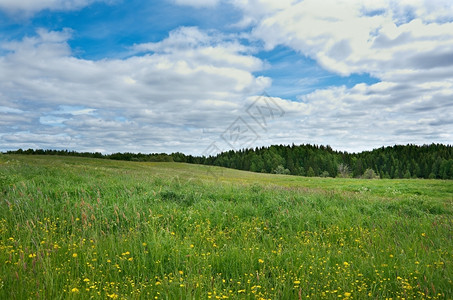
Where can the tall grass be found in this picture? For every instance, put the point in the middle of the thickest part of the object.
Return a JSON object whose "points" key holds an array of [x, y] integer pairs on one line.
{"points": [[84, 228]]}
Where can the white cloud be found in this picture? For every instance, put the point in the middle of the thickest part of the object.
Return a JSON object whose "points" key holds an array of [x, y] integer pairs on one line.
{"points": [[197, 3], [142, 103], [376, 37], [365, 117], [408, 45], [29, 7], [200, 48], [181, 93]]}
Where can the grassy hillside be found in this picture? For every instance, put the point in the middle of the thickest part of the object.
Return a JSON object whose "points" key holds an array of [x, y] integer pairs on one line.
{"points": [[79, 228]]}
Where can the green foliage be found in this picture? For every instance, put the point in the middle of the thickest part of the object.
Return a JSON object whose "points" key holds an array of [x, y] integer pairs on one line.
{"points": [[281, 170], [343, 171], [77, 228], [407, 175], [387, 162], [370, 174], [324, 174], [427, 161]]}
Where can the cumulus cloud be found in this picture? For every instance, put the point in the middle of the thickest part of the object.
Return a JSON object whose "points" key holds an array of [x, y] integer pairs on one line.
{"points": [[170, 91], [201, 48], [408, 45], [183, 92], [361, 36], [29, 7], [365, 117]]}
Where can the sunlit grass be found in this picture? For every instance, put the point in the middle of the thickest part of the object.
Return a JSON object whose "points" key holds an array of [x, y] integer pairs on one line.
{"points": [[79, 228]]}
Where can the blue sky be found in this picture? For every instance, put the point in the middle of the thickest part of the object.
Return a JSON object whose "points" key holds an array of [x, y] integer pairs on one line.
{"points": [[173, 75]]}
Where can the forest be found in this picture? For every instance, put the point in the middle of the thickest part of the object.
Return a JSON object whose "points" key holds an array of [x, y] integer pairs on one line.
{"points": [[434, 161]]}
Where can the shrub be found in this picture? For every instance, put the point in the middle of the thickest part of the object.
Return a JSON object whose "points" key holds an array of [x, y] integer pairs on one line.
{"points": [[343, 171], [324, 174], [370, 174], [281, 170]]}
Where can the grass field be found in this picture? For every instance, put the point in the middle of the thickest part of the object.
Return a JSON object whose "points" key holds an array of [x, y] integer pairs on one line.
{"points": [[82, 228]]}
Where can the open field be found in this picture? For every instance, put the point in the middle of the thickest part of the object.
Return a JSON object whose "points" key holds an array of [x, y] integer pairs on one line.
{"points": [[85, 228]]}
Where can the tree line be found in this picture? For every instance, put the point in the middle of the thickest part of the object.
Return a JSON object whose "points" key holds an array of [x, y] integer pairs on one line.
{"points": [[433, 161], [409, 161]]}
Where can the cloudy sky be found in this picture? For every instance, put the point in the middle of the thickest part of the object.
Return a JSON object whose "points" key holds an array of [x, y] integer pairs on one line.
{"points": [[200, 76]]}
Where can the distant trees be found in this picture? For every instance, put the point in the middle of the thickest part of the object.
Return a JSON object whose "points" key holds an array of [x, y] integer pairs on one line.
{"points": [[428, 161], [410, 161], [157, 157]]}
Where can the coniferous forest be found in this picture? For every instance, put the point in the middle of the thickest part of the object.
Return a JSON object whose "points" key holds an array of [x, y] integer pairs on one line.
{"points": [[433, 161], [410, 161]]}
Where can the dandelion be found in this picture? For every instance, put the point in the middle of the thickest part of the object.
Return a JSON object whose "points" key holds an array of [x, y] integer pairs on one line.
{"points": [[181, 272], [86, 280], [112, 296], [144, 244], [74, 255], [260, 261], [346, 294], [75, 290]]}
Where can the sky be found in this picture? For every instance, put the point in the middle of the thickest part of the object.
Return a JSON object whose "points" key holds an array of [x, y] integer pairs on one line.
{"points": [[204, 76]]}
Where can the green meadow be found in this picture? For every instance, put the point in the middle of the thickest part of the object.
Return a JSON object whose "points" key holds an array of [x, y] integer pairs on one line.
{"points": [[79, 228]]}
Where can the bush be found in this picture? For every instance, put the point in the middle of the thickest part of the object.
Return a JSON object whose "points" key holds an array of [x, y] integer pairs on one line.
{"points": [[310, 172], [343, 171], [281, 170], [324, 174], [370, 174]]}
